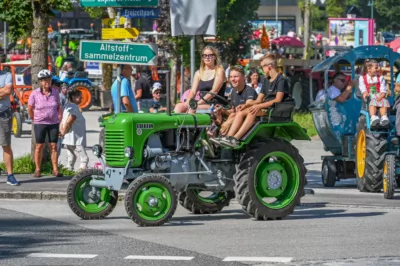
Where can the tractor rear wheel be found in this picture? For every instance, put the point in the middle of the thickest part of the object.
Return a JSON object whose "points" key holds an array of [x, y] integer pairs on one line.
{"points": [[300, 91], [16, 125], [270, 179], [192, 201], [389, 176], [370, 158], [87, 95]]}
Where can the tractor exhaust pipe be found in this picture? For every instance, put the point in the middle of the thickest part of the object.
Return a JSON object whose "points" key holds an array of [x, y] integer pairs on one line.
{"points": [[168, 94]]}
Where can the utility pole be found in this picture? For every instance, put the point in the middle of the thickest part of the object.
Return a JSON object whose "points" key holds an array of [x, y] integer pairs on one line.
{"points": [[306, 35]]}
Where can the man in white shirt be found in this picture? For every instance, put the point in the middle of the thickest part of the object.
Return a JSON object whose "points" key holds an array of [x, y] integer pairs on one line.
{"points": [[338, 91]]}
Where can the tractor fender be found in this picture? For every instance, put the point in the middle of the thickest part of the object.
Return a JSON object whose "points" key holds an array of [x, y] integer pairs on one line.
{"points": [[288, 131]]}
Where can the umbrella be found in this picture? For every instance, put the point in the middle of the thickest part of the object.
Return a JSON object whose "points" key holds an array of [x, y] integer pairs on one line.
{"points": [[288, 42], [395, 45], [264, 39]]}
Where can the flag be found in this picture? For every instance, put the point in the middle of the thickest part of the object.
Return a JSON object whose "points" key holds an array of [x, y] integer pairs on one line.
{"points": [[264, 39]]}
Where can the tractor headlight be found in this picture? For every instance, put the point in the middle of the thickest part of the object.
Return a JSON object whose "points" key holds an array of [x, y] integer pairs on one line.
{"points": [[97, 150], [128, 152]]}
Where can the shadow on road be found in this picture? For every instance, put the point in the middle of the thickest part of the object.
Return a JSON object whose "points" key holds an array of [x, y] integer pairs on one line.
{"points": [[302, 214], [46, 179]]}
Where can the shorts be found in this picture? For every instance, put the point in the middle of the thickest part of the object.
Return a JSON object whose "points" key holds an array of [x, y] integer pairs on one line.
{"points": [[43, 130], [5, 128]]}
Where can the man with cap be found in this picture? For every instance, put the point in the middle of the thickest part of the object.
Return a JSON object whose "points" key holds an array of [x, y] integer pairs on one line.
{"points": [[156, 104]]}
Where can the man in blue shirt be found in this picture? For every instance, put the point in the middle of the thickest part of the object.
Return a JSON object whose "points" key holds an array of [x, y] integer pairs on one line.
{"points": [[127, 98]]}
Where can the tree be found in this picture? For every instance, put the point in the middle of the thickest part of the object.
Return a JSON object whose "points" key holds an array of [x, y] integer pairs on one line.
{"points": [[32, 18], [336, 8]]}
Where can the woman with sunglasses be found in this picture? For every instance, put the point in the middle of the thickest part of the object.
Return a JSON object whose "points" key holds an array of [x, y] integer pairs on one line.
{"points": [[210, 77]]}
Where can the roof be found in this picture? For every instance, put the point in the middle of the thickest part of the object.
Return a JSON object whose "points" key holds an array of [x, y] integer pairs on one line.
{"points": [[358, 55]]}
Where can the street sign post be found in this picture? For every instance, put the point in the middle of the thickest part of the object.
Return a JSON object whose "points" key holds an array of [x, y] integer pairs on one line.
{"points": [[119, 33], [118, 3], [118, 52], [140, 12]]}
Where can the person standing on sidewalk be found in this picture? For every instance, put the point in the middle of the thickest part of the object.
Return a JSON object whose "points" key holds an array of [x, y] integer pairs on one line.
{"points": [[126, 98], [5, 125], [73, 131], [45, 110]]}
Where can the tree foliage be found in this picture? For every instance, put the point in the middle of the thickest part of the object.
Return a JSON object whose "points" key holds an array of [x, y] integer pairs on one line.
{"points": [[19, 14]]}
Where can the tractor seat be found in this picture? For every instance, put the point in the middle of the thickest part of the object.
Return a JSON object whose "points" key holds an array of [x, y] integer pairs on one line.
{"points": [[81, 74], [279, 112]]}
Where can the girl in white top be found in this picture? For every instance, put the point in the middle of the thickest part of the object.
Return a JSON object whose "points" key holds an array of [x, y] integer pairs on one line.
{"points": [[373, 85], [73, 131]]}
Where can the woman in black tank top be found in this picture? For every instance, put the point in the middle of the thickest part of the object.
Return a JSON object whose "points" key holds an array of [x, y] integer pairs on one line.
{"points": [[210, 77]]}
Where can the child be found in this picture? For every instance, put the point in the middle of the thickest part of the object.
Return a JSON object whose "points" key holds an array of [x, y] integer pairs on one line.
{"points": [[373, 85], [73, 130]]}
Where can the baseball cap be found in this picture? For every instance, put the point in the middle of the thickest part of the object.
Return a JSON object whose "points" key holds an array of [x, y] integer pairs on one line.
{"points": [[156, 86]]}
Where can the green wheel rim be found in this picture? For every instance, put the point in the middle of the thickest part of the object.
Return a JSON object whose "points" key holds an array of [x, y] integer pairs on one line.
{"points": [[152, 201], [213, 198], [277, 177], [90, 199]]}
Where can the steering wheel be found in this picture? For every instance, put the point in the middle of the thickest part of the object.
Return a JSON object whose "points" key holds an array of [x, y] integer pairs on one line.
{"points": [[217, 99]]}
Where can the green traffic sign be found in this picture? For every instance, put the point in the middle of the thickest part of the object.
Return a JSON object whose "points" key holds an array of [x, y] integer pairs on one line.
{"points": [[117, 3], [118, 52]]}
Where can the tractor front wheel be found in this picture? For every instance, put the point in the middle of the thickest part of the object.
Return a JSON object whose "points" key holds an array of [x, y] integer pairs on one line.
{"points": [[90, 202], [87, 95], [328, 172], [270, 179], [151, 200], [197, 203], [389, 176], [16, 125]]}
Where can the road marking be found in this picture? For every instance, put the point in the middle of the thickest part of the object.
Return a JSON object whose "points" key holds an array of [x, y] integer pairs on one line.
{"points": [[69, 256], [135, 257], [260, 259]]}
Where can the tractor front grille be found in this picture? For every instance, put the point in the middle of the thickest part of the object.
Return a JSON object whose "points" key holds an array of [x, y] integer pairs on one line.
{"points": [[114, 145]]}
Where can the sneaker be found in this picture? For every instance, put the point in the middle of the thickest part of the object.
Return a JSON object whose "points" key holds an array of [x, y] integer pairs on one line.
{"points": [[12, 181], [374, 121], [230, 142], [384, 121]]}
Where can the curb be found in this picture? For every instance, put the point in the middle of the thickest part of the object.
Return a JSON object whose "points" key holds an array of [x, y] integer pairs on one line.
{"points": [[41, 195]]}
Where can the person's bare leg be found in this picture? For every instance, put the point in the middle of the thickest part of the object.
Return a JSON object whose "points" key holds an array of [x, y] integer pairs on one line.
{"points": [[372, 110], [247, 124], [8, 159], [180, 108], [383, 111], [237, 123], [54, 157], [38, 156]]}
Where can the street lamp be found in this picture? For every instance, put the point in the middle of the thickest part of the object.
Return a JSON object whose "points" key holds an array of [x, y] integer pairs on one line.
{"points": [[371, 4]]}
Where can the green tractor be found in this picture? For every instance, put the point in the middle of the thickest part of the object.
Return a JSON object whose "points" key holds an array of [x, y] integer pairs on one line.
{"points": [[167, 158]]}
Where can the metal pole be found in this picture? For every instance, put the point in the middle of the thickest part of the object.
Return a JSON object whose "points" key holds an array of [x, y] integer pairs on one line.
{"points": [[372, 9], [168, 93], [182, 78], [5, 40], [118, 107], [192, 58], [276, 17]]}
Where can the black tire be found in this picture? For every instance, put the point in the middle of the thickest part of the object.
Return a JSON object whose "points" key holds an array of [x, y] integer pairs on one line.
{"points": [[102, 142], [73, 202], [328, 172], [17, 130], [190, 201], [82, 86], [245, 179], [300, 91], [389, 176], [136, 187], [371, 179]]}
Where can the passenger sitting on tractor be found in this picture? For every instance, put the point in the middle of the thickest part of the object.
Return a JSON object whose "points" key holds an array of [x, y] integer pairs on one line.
{"points": [[338, 91], [241, 96], [373, 85], [275, 89]]}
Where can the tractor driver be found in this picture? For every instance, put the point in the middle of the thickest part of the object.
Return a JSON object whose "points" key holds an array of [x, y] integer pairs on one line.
{"points": [[338, 91], [242, 96], [275, 89]]}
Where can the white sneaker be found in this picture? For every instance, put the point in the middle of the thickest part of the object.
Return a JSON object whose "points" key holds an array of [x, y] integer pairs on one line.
{"points": [[374, 121], [384, 121]]}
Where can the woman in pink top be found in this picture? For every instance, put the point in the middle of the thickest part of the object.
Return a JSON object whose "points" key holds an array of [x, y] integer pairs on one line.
{"points": [[45, 110]]}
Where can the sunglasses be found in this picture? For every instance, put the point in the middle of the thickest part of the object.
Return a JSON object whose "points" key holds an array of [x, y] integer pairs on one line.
{"points": [[342, 80], [208, 55]]}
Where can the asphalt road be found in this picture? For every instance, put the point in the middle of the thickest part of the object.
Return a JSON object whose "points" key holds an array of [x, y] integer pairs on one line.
{"points": [[33, 232]]}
